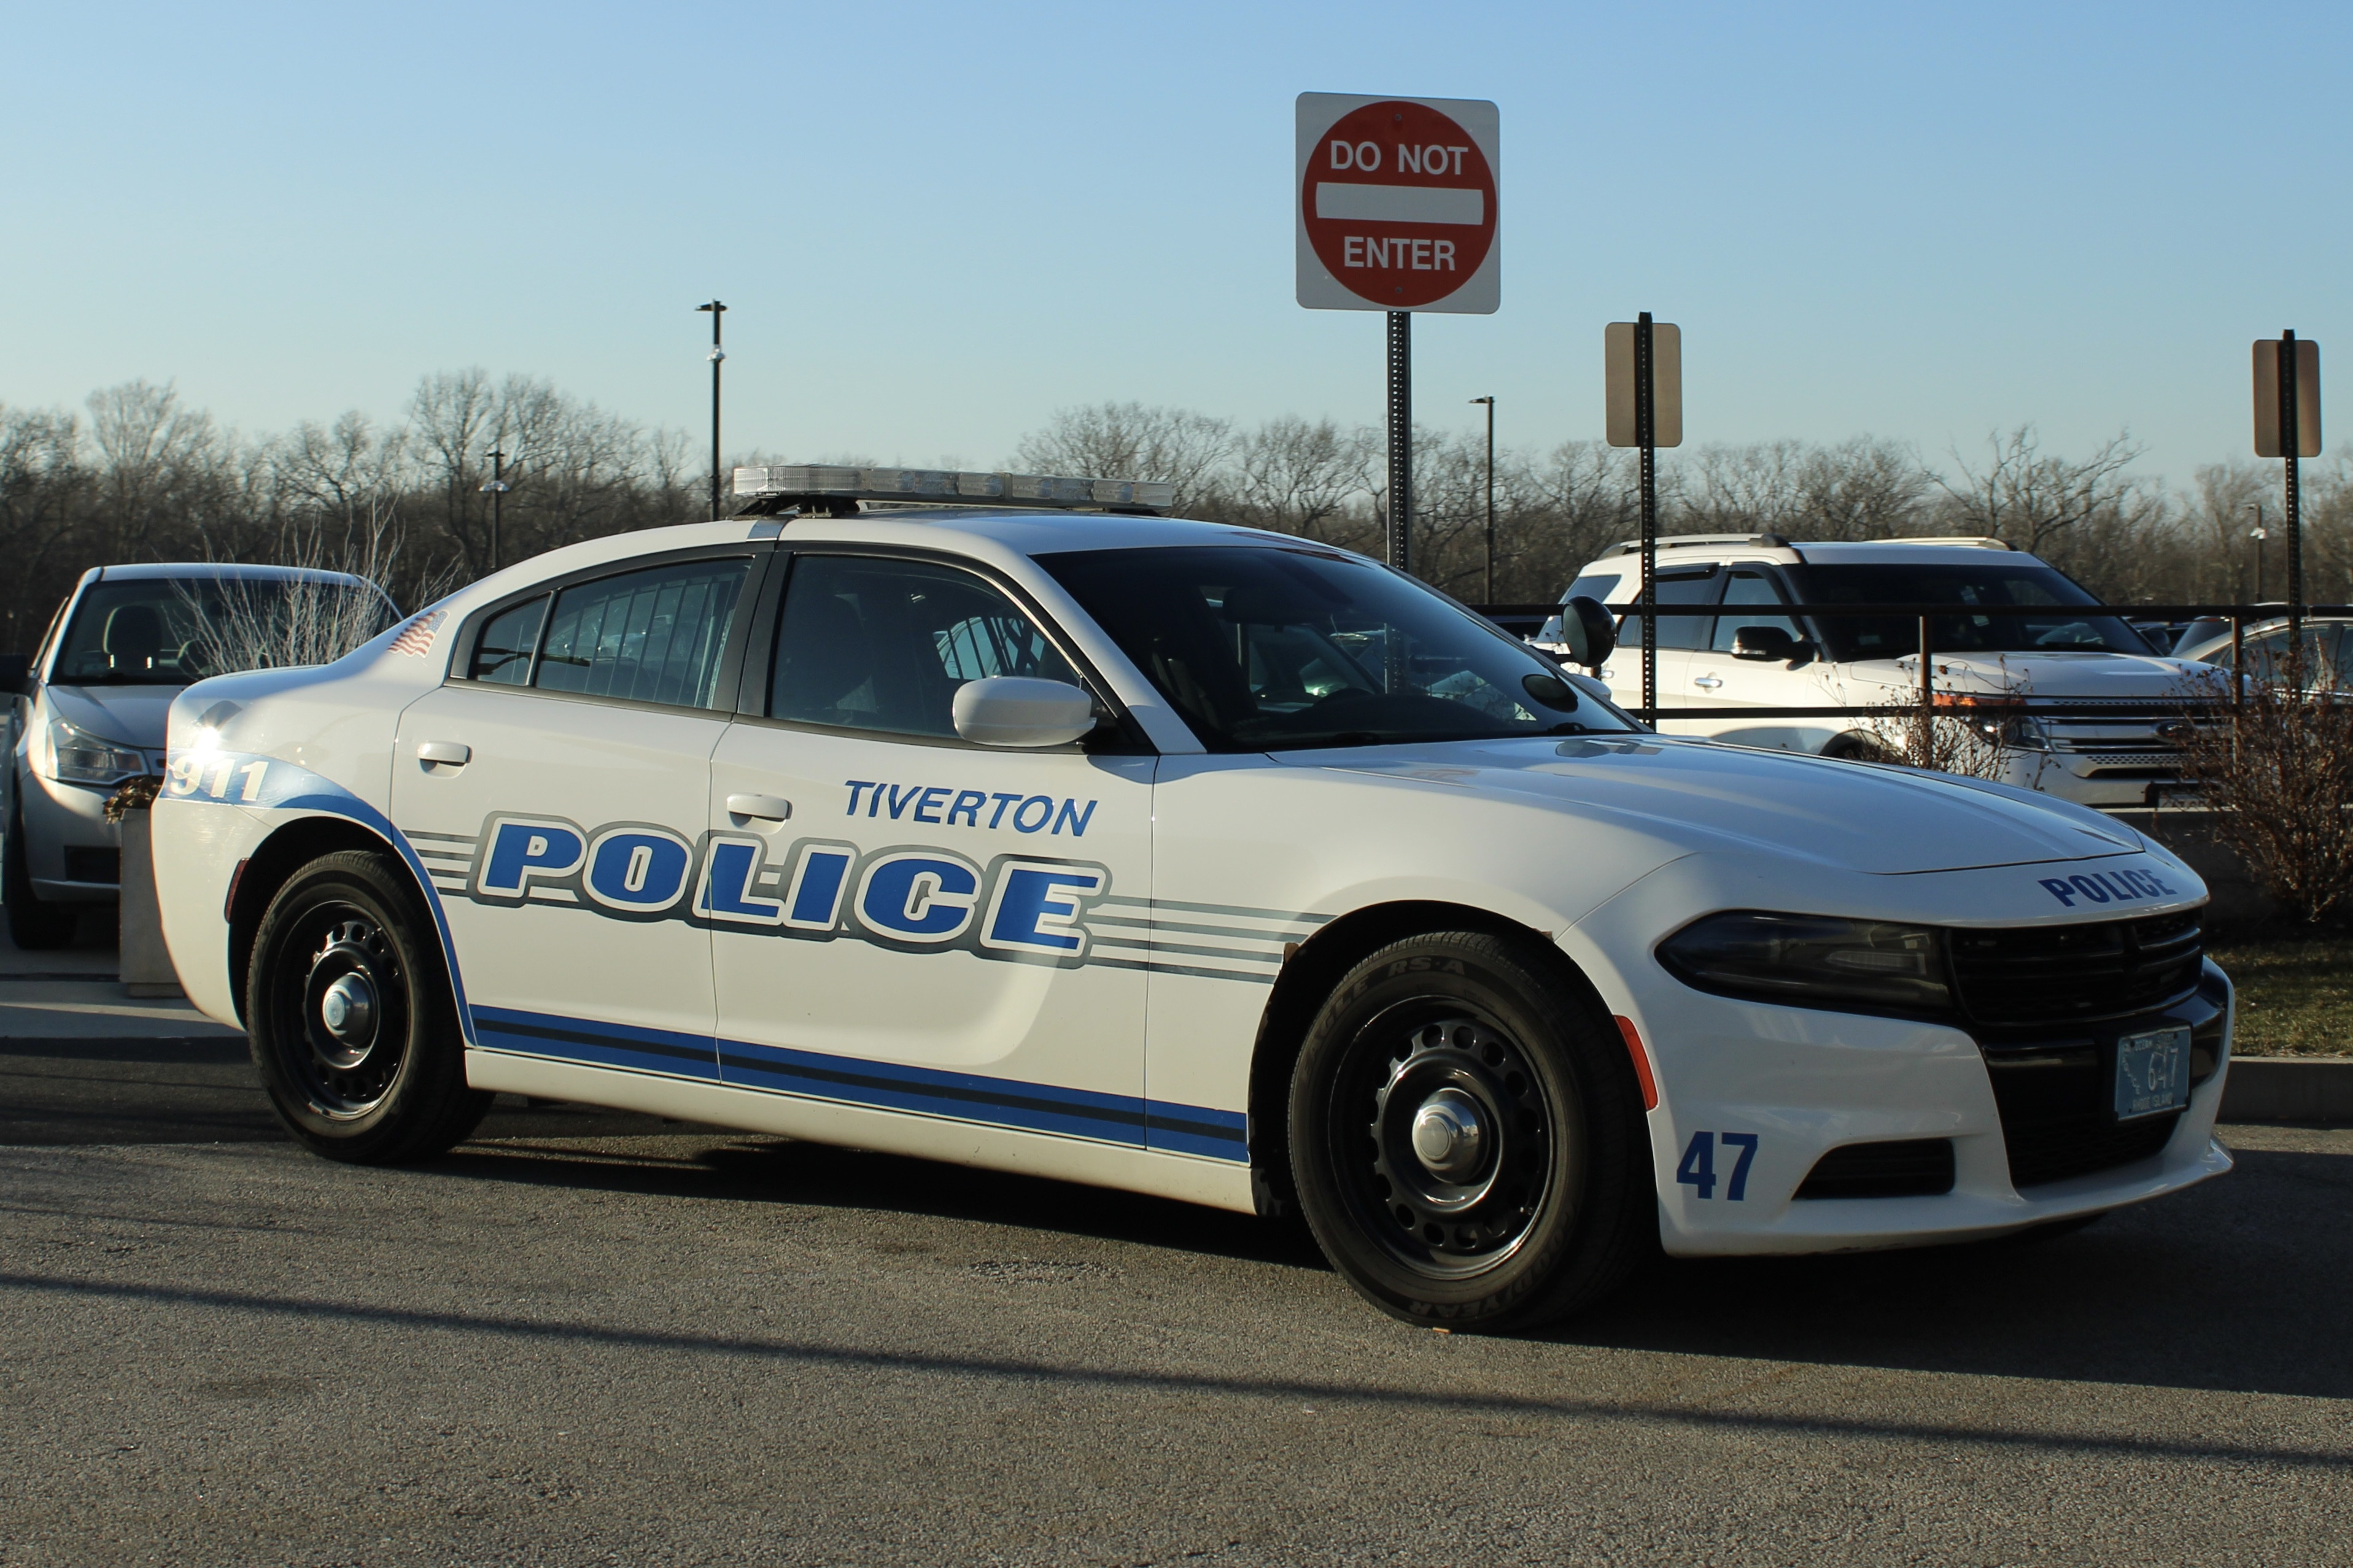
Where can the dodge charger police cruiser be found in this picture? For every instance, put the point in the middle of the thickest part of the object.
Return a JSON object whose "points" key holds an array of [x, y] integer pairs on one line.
{"points": [[1039, 832]]}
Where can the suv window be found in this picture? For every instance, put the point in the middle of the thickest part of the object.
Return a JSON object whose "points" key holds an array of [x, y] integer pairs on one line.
{"points": [[872, 643], [1684, 588], [654, 636], [2076, 623], [1747, 588]]}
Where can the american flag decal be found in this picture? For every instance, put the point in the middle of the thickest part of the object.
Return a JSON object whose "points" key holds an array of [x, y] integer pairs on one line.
{"points": [[417, 637]]}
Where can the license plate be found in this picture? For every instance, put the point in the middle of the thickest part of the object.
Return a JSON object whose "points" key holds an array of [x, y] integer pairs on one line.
{"points": [[2152, 1073]]}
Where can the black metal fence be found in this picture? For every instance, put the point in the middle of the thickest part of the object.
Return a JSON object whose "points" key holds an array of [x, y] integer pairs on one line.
{"points": [[1525, 620]]}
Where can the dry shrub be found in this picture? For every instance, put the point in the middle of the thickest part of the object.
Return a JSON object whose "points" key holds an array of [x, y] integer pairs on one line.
{"points": [[2280, 781]]}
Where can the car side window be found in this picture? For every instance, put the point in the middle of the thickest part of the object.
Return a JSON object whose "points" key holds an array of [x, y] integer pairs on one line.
{"points": [[502, 653], [1747, 588], [879, 644], [1687, 631], [654, 636]]}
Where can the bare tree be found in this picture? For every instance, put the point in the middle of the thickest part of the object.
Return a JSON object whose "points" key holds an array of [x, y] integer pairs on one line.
{"points": [[1301, 476], [2029, 499], [1131, 441]]}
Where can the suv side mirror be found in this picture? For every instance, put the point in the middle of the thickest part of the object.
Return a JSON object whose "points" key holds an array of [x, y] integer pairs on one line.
{"points": [[1589, 630], [1017, 711], [1768, 642], [16, 674]]}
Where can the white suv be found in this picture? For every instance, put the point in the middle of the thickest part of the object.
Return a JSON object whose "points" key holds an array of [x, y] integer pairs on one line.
{"points": [[1714, 588]]}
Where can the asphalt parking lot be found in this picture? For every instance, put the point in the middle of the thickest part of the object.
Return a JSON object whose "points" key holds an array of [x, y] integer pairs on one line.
{"points": [[592, 1338]]}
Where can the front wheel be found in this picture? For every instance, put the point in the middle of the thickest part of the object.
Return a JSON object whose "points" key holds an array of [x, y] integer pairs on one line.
{"points": [[1467, 1136], [353, 1028]]}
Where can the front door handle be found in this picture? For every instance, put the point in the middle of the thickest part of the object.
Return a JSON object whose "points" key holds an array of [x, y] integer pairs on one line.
{"points": [[1709, 683], [767, 808], [448, 754]]}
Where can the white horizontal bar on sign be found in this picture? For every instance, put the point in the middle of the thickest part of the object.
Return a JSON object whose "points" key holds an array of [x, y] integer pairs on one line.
{"points": [[1354, 203]]}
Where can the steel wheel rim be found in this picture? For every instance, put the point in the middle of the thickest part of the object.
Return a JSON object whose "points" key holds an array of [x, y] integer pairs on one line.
{"points": [[1443, 1210], [346, 995]]}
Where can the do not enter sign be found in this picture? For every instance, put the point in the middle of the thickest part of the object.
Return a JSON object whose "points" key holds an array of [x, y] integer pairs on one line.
{"points": [[1397, 204]]}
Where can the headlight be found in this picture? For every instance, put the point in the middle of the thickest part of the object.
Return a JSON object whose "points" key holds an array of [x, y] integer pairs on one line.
{"points": [[82, 757], [1812, 961], [2027, 735]]}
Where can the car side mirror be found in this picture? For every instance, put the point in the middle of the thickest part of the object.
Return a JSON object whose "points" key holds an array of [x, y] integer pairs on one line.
{"points": [[1766, 642], [16, 675], [1019, 710], [1589, 630]]}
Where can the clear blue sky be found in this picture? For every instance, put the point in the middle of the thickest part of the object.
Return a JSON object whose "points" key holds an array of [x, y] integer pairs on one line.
{"points": [[937, 224]]}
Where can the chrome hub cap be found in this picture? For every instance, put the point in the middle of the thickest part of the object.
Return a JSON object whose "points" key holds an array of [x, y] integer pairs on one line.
{"points": [[1448, 1138]]}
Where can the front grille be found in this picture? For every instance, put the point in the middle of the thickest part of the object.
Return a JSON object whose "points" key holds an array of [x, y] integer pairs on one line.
{"points": [[93, 865], [2055, 1154], [1901, 1168], [2072, 974]]}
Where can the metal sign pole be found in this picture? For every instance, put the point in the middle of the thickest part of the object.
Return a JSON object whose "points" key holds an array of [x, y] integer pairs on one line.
{"points": [[1645, 437], [2290, 440], [1400, 367], [717, 309]]}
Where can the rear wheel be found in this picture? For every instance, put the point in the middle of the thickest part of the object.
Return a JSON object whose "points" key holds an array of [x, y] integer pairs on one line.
{"points": [[34, 924], [1856, 746], [1467, 1136], [354, 1029]]}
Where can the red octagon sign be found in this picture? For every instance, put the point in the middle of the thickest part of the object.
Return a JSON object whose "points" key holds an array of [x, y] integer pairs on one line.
{"points": [[1396, 203]]}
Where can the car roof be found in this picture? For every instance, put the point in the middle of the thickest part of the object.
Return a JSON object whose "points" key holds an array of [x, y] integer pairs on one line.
{"points": [[148, 571], [1719, 551]]}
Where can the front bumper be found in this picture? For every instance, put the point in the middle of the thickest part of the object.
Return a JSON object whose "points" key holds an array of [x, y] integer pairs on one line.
{"points": [[1753, 1096], [72, 852]]}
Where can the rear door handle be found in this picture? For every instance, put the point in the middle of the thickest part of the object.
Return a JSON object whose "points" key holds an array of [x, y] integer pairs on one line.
{"points": [[767, 808], [450, 753]]}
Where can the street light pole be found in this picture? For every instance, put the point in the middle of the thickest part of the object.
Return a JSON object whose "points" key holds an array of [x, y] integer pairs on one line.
{"points": [[717, 309], [496, 489], [2258, 534], [1490, 402]]}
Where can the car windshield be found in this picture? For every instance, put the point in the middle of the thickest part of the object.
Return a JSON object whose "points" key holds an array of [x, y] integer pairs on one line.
{"points": [[170, 631], [2064, 627], [1273, 647]]}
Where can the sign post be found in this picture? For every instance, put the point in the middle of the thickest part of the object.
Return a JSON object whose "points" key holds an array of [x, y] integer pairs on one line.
{"points": [[2287, 424], [1642, 365], [1396, 214]]}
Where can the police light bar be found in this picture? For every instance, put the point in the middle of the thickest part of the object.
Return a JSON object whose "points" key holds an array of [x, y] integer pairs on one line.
{"points": [[823, 482]]}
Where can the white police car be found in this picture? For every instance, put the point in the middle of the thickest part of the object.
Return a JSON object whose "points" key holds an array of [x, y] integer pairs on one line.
{"points": [[1177, 858]]}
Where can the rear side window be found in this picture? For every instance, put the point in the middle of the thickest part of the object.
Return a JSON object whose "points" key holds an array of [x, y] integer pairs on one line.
{"points": [[502, 653], [1679, 631], [1593, 585], [654, 636]]}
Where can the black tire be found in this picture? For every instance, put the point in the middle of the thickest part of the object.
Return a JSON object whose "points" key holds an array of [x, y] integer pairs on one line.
{"points": [[1540, 1204], [348, 939], [1855, 746], [34, 924]]}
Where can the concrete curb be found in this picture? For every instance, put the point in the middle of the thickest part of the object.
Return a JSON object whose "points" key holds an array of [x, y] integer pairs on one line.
{"points": [[2309, 1089]]}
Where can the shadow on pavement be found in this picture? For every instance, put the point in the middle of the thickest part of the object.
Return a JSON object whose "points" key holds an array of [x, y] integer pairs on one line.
{"points": [[2237, 1285], [755, 1168], [202, 1090]]}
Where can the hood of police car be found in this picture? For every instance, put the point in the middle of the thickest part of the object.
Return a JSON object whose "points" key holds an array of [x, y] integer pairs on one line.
{"points": [[1857, 816]]}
